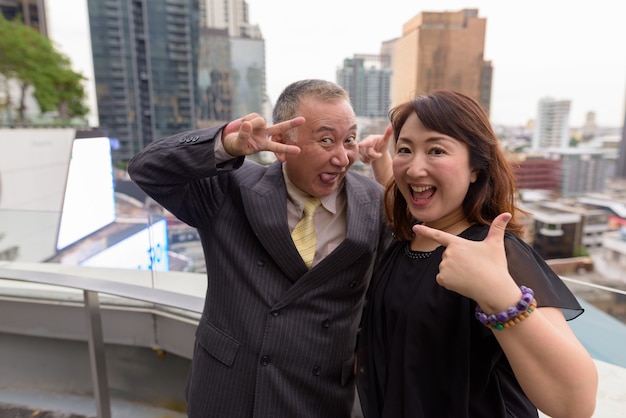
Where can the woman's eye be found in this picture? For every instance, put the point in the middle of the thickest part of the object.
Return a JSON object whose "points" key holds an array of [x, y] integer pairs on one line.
{"points": [[437, 151], [404, 150]]}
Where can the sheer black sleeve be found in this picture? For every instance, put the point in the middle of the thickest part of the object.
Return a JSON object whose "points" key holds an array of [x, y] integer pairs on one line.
{"points": [[528, 268]]}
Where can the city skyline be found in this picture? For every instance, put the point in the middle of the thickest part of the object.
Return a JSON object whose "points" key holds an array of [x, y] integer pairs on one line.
{"points": [[554, 49]]}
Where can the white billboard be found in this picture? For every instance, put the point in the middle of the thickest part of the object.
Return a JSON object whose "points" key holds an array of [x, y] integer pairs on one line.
{"points": [[54, 190], [89, 199], [33, 169]]}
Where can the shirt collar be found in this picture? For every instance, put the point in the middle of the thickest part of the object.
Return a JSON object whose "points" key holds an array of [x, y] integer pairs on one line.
{"points": [[299, 197]]}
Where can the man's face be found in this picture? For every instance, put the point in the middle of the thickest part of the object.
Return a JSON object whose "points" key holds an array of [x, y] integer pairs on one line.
{"points": [[327, 140]]}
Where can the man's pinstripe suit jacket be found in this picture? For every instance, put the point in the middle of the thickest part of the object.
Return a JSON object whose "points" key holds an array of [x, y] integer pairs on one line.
{"points": [[275, 339]]}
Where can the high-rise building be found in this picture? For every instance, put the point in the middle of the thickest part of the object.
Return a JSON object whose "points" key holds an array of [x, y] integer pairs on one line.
{"points": [[248, 59], [590, 128], [246, 79], [145, 57], [442, 50], [215, 78], [537, 172], [232, 15], [552, 124], [621, 164], [367, 78], [583, 170], [33, 12]]}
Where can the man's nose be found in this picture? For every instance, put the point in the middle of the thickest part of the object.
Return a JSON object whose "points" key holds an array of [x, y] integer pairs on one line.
{"points": [[340, 157]]}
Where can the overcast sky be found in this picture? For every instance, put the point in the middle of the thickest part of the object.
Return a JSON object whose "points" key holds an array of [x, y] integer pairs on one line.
{"points": [[564, 49]]}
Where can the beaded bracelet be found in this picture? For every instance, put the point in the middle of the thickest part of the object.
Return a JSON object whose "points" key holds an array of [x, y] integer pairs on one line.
{"points": [[505, 319]]}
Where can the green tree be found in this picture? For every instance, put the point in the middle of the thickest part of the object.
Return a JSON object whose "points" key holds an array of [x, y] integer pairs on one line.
{"points": [[30, 59]]}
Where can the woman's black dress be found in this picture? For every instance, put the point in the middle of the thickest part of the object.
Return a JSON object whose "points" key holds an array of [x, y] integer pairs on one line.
{"points": [[421, 351]]}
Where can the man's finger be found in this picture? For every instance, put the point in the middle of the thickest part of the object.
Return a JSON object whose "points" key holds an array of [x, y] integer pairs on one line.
{"points": [[286, 125], [367, 142], [388, 133], [441, 237], [370, 153], [282, 148], [235, 125]]}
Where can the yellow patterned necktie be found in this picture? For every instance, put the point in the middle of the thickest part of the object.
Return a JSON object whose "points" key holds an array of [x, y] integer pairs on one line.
{"points": [[303, 234]]}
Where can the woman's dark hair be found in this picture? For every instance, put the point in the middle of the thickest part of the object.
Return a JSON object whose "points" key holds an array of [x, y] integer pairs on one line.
{"points": [[459, 116]]}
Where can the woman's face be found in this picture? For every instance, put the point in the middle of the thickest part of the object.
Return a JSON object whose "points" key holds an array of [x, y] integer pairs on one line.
{"points": [[433, 173]]}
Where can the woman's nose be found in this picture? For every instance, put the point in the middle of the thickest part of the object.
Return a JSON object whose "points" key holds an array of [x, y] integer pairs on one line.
{"points": [[417, 167]]}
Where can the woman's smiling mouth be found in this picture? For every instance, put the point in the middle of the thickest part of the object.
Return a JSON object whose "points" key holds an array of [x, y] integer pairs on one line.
{"points": [[422, 193]]}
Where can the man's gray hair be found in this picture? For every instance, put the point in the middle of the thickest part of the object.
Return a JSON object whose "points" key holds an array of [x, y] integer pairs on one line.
{"points": [[287, 104]]}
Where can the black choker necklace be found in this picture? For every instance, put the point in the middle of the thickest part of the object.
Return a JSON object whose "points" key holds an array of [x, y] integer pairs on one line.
{"points": [[416, 254]]}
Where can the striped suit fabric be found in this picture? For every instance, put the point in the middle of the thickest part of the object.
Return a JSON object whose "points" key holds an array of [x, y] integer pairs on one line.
{"points": [[275, 338]]}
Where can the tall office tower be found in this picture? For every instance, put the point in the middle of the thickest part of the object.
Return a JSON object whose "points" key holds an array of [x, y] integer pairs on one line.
{"points": [[367, 78], [442, 50], [590, 128], [536, 172], [247, 51], [215, 78], [248, 60], [552, 124], [228, 14], [621, 163], [388, 48], [33, 13], [145, 57], [583, 170]]}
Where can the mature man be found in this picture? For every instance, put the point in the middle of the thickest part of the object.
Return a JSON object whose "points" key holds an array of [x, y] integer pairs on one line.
{"points": [[277, 337]]}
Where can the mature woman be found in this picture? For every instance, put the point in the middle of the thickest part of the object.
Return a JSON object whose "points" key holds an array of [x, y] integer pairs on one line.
{"points": [[463, 318]]}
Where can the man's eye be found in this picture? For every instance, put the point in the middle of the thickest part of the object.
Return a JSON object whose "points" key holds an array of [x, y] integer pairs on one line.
{"points": [[351, 140], [326, 140]]}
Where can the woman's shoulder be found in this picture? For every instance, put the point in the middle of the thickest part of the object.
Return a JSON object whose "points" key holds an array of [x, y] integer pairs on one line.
{"points": [[478, 232]]}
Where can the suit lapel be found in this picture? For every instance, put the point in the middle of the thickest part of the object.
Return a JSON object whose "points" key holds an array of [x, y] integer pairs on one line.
{"points": [[266, 208], [361, 226]]}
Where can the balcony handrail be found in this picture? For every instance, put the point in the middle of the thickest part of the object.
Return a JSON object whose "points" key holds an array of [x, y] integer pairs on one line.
{"points": [[91, 288], [594, 285], [115, 288]]}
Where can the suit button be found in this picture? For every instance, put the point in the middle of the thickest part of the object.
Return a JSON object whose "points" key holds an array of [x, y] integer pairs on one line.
{"points": [[260, 262], [353, 284], [275, 313], [325, 323], [265, 360], [317, 370]]}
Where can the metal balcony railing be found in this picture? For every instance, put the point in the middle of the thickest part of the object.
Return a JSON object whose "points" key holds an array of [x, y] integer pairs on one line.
{"points": [[91, 289]]}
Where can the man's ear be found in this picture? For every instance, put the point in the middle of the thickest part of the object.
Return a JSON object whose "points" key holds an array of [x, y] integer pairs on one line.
{"points": [[280, 138]]}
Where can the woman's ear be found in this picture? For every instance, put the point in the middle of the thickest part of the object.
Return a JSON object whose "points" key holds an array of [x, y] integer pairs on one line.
{"points": [[474, 175]]}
